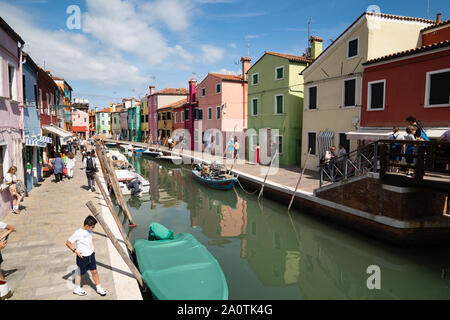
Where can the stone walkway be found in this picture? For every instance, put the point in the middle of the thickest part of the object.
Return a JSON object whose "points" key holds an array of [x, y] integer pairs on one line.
{"points": [[38, 265]]}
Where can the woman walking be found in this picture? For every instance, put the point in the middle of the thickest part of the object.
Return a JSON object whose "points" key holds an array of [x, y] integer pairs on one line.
{"points": [[11, 181], [70, 164], [58, 168]]}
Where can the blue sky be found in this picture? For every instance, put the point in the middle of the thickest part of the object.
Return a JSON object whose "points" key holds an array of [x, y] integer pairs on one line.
{"points": [[123, 46]]}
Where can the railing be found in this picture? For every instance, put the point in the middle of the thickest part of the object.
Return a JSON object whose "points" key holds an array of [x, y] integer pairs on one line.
{"points": [[426, 156]]}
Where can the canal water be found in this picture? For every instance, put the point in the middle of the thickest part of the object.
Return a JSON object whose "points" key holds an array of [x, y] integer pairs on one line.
{"points": [[267, 253]]}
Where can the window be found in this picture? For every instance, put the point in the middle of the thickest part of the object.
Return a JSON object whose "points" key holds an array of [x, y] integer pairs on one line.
{"points": [[279, 73], [375, 95], [254, 107], [312, 98], [103, 122], [312, 142], [48, 103], [255, 79], [195, 135], [209, 113], [203, 92], [344, 141], [218, 113], [175, 117], [12, 82], [159, 116], [186, 115], [352, 48], [198, 114], [349, 95], [437, 92], [218, 88], [40, 101], [146, 118], [279, 104], [182, 115], [2, 159], [169, 115], [279, 141]]}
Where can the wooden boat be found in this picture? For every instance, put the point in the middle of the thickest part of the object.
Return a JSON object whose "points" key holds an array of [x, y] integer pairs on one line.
{"points": [[126, 147], [175, 159], [180, 269], [139, 149], [151, 153], [125, 175], [216, 183]]}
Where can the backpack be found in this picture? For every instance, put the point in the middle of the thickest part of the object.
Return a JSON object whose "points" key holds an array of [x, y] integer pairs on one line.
{"points": [[90, 164]]}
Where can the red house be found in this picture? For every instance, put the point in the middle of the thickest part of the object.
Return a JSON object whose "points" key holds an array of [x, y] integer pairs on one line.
{"points": [[414, 82], [185, 115]]}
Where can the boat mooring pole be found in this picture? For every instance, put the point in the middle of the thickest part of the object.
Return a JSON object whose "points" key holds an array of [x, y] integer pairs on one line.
{"points": [[300, 179], [270, 166], [116, 244]]}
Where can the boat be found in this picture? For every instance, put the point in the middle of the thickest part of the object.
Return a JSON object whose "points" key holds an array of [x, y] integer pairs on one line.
{"points": [[111, 144], [175, 159], [126, 147], [123, 176], [139, 149], [221, 183], [179, 268], [151, 153]]}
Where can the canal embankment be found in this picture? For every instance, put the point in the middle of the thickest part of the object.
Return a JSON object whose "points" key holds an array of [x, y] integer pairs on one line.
{"points": [[39, 266]]}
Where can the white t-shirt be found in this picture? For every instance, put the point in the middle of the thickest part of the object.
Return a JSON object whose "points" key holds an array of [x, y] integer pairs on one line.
{"points": [[2, 225], [10, 178], [83, 240]]}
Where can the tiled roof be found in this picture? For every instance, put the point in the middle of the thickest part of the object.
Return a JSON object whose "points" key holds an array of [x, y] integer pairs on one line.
{"points": [[105, 110], [432, 46], [118, 109], [179, 103], [381, 15], [173, 91], [436, 25], [291, 57], [227, 77]]}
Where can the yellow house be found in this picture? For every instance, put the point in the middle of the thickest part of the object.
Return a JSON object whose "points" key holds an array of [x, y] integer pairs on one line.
{"points": [[144, 118], [332, 98], [165, 125]]}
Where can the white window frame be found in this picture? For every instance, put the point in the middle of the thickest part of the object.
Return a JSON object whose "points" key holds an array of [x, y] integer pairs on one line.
{"points": [[369, 94], [14, 94], [182, 116], [47, 97], [175, 117], [343, 92], [275, 105], [357, 49], [427, 89], [276, 69], [307, 142], [257, 106], [317, 98], [41, 104], [255, 74], [219, 84], [218, 112], [210, 110]]}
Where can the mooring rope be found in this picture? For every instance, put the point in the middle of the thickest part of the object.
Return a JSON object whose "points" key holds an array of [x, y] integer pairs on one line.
{"points": [[243, 187]]}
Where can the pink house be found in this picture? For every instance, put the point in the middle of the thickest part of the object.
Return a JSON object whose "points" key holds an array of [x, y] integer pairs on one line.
{"points": [[11, 109], [222, 109], [80, 123]]}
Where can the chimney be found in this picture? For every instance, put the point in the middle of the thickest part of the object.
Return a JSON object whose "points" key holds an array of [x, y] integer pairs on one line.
{"points": [[192, 90], [152, 90], [245, 66], [438, 18], [316, 46]]}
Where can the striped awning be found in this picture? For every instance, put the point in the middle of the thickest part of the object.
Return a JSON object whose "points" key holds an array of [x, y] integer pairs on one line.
{"points": [[38, 141], [325, 140]]}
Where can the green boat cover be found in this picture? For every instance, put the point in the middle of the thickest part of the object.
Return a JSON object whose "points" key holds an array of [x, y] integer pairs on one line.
{"points": [[180, 269], [159, 232]]}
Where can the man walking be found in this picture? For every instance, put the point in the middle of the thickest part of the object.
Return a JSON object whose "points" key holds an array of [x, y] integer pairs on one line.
{"points": [[91, 169]]}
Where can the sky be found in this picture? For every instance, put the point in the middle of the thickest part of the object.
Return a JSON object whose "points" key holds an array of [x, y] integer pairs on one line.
{"points": [[121, 47]]}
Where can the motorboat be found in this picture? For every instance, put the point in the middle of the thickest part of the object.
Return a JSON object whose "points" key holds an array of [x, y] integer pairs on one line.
{"points": [[126, 176]]}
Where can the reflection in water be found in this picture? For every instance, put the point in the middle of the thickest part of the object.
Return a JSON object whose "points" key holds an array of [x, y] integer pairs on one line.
{"points": [[267, 253]]}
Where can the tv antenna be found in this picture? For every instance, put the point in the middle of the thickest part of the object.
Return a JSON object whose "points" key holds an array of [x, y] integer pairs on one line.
{"points": [[309, 30], [248, 46]]}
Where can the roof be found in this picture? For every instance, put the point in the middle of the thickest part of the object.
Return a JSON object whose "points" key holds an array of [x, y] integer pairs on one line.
{"points": [[173, 91], [290, 57], [177, 104], [10, 31], [118, 109], [61, 79], [227, 77], [409, 52], [436, 25], [108, 110], [30, 61], [381, 15]]}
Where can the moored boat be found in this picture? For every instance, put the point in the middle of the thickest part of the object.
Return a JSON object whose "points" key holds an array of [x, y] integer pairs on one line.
{"points": [[221, 183], [180, 268], [151, 153], [124, 176]]}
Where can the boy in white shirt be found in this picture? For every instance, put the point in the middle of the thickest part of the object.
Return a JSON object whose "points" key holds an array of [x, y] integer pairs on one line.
{"points": [[85, 252], [4, 242]]}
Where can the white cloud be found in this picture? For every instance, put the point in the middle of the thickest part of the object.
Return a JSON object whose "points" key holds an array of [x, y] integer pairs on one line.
{"points": [[174, 13], [211, 54], [233, 45], [226, 71]]}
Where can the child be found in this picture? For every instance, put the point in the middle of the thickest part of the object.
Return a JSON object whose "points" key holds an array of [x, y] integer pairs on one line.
{"points": [[409, 148], [85, 252], [70, 164]]}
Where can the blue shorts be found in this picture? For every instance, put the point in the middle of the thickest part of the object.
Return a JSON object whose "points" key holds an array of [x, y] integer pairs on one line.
{"points": [[87, 263]]}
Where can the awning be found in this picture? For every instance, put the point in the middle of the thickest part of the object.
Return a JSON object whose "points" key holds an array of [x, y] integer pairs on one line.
{"points": [[58, 131], [325, 141], [38, 141], [375, 134], [79, 129]]}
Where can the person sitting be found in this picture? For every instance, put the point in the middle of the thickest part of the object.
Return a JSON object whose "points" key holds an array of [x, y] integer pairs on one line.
{"points": [[11, 182], [205, 172]]}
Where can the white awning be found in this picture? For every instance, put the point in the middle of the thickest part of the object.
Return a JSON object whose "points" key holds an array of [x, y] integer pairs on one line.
{"points": [[375, 134], [37, 141], [58, 131]]}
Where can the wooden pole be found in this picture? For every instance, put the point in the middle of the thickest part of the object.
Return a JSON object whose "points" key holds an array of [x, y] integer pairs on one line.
{"points": [[113, 213], [270, 166], [116, 244], [102, 165], [300, 179]]}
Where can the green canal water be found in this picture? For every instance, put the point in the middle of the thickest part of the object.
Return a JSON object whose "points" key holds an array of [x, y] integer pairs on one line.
{"points": [[267, 253]]}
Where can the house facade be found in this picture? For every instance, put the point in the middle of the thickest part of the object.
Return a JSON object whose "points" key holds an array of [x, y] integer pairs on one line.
{"points": [[80, 123], [115, 121], [11, 108], [134, 122], [92, 127], [102, 122], [144, 118], [275, 100], [66, 102], [333, 82]]}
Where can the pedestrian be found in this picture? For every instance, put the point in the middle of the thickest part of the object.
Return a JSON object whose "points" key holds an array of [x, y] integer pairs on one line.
{"points": [[342, 157], [409, 149], [5, 293], [70, 164], [236, 148], [11, 182], [327, 160], [420, 133], [231, 148], [69, 145], [58, 168], [91, 169], [395, 149], [257, 154], [85, 252]]}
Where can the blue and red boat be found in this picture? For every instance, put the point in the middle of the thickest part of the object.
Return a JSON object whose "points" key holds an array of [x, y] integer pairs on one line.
{"points": [[216, 183]]}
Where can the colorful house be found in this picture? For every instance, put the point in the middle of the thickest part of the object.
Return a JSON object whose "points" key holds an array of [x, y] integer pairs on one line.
{"points": [[389, 96], [275, 99], [115, 121], [102, 122], [67, 101], [124, 124], [166, 119], [80, 123], [11, 108], [134, 122], [92, 126], [221, 113], [333, 82], [144, 118]]}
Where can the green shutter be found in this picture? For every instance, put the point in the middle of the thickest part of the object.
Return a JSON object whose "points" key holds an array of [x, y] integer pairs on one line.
{"points": [[255, 107], [280, 104]]}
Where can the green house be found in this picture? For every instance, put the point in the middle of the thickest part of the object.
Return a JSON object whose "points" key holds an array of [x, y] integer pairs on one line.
{"points": [[275, 102], [134, 122]]}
